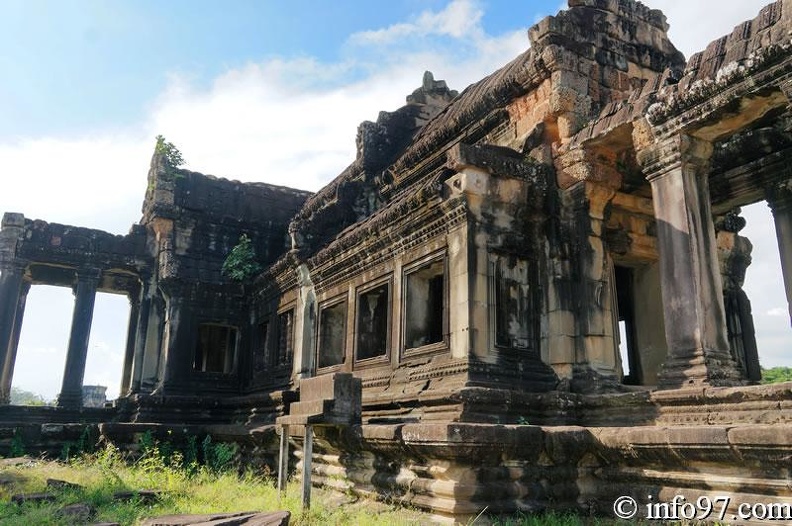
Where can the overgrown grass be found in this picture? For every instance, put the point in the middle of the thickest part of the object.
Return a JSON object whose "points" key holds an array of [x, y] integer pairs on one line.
{"points": [[189, 487], [197, 490]]}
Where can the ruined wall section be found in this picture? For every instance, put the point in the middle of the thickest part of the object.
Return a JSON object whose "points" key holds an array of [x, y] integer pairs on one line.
{"points": [[200, 335], [209, 214], [85, 260]]}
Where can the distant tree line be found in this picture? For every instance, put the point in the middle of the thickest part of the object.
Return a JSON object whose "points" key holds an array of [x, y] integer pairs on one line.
{"points": [[22, 397], [776, 375]]}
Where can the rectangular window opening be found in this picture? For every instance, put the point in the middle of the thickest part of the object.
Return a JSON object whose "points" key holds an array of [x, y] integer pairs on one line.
{"points": [[425, 305], [285, 350], [332, 329], [216, 349], [372, 322]]}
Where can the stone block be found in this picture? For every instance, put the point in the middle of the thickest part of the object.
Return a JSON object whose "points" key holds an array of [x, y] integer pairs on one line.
{"points": [[13, 220], [761, 435], [245, 518]]}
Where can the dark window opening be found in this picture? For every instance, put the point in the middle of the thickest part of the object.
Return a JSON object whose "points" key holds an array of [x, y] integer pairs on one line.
{"points": [[425, 305], [372, 323], [285, 350], [260, 349], [332, 326], [216, 349], [512, 293]]}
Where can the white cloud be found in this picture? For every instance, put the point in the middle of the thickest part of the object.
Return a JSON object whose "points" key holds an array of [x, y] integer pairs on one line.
{"points": [[460, 19], [90, 181]]}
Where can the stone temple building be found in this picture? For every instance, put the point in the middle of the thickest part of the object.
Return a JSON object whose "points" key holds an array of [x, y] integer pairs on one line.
{"points": [[472, 267]]}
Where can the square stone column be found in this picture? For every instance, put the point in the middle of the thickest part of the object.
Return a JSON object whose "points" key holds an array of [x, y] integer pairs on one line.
{"points": [[141, 337], [132, 334], [10, 293], [176, 359], [85, 296], [695, 321], [7, 369]]}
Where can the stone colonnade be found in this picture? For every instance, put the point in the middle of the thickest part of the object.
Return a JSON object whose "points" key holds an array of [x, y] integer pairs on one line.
{"points": [[14, 289], [695, 319]]}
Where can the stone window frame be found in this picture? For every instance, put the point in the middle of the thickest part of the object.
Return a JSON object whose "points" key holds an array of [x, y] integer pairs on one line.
{"points": [[532, 321], [342, 299], [275, 352], [383, 359], [430, 348], [236, 349]]}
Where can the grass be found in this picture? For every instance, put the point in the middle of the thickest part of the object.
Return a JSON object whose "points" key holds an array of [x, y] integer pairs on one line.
{"points": [[197, 490]]}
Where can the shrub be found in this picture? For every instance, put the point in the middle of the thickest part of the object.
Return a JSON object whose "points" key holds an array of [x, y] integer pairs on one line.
{"points": [[241, 264]]}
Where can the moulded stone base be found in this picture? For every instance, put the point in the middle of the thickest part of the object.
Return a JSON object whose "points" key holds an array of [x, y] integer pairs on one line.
{"points": [[456, 471]]}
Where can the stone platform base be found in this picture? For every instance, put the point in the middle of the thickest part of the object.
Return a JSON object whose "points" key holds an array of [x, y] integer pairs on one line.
{"points": [[456, 471]]}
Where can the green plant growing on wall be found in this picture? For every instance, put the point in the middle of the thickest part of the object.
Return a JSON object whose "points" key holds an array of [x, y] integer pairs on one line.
{"points": [[241, 264], [173, 157], [17, 445]]}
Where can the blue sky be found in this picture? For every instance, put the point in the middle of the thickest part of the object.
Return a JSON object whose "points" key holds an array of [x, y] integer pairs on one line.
{"points": [[257, 91], [72, 67]]}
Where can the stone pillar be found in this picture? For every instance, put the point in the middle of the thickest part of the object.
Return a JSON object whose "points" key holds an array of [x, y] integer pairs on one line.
{"points": [[695, 321], [73, 373], [8, 367], [176, 359], [10, 292], [141, 337], [129, 354], [779, 197]]}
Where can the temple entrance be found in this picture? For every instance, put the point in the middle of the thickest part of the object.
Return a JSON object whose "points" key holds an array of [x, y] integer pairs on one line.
{"points": [[642, 344]]}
